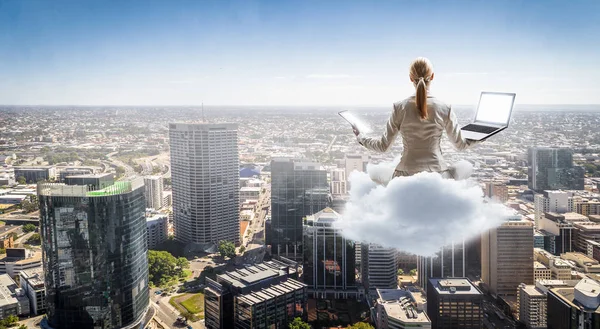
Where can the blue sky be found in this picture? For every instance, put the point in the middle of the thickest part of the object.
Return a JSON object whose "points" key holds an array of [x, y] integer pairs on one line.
{"points": [[250, 52]]}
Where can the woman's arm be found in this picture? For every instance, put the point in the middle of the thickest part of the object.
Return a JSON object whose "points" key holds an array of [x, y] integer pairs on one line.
{"points": [[454, 133], [389, 135]]}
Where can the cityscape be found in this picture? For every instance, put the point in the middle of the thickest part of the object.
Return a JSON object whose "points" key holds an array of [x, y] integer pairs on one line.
{"points": [[263, 164], [214, 217]]}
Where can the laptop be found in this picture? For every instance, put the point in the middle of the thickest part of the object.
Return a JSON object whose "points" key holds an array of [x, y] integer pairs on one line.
{"points": [[493, 115]]}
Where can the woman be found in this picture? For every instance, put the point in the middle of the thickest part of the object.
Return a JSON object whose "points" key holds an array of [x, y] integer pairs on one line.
{"points": [[421, 120]]}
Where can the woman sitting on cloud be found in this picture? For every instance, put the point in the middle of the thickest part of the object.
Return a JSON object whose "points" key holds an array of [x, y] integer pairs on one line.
{"points": [[421, 120]]}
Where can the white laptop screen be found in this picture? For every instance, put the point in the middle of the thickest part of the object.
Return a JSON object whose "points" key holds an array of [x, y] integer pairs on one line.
{"points": [[495, 108]]}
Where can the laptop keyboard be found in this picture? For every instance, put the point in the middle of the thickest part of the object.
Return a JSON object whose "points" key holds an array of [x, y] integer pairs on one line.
{"points": [[480, 129]]}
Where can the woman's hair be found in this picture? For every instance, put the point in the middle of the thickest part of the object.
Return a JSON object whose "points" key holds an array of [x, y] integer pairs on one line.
{"points": [[421, 71]]}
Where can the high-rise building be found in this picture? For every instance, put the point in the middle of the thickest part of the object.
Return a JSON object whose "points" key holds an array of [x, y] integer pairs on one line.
{"points": [[450, 262], [560, 231], [574, 307], [496, 191], [550, 201], [552, 169], [329, 264], [154, 191], [337, 179], [378, 267], [265, 295], [454, 303], [95, 255], [298, 189], [205, 180], [507, 256]]}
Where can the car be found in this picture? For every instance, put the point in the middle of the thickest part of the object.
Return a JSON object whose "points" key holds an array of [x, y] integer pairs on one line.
{"points": [[158, 292]]}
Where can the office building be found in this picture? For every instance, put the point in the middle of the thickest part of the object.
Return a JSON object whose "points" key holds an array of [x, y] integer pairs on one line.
{"points": [[95, 255], [585, 206], [250, 193], [496, 191], [93, 181], [157, 229], [552, 169], [378, 267], [206, 182], [33, 175], [584, 232], [355, 162], [12, 298], [593, 250], [541, 272], [329, 264], [574, 307], [7, 241], [338, 182], [167, 199], [454, 303], [400, 309], [74, 171], [153, 187], [531, 306], [560, 231], [550, 201], [265, 295], [583, 263], [32, 282], [507, 256], [17, 260], [298, 189], [450, 262]]}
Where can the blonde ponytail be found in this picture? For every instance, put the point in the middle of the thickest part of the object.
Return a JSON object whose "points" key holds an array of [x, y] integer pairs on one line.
{"points": [[421, 98], [421, 73]]}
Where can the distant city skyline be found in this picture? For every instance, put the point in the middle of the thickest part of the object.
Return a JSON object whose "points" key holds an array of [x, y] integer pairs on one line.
{"points": [[295, 53]]}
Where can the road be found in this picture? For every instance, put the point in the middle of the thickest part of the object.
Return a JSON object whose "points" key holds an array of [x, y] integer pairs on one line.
{"points": [[128, 169], [22, 239], [32, 323], [167, 313]]}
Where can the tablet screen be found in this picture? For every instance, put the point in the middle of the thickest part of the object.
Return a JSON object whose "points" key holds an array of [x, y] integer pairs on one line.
{"points": [[357, 122]]}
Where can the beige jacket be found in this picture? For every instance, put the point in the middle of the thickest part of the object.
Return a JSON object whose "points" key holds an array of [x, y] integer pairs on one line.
{"points": [[421, 138]]}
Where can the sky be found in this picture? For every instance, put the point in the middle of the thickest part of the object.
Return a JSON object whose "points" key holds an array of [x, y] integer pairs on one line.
{"points": [[251, 52]]}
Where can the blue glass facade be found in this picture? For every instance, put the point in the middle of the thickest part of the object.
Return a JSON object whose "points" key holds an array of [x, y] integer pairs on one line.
{"points": [[94, 254]]}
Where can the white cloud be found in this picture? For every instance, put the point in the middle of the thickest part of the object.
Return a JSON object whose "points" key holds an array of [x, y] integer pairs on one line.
{"points": [[417, 214]]}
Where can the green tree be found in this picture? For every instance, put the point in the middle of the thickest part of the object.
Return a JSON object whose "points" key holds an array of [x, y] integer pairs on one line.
{"points": [[13, 234], [29, 228], [2, 251], [400, 271], [413, 272], [21, 180], [164, 269], [361, 325], [226, 249], [299, 324], [242, 249], [35, 239]]}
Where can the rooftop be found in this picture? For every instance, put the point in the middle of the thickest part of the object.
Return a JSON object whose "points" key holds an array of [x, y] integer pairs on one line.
{"points": [[119, 187], [35, 277], [454, 287], [7, 290], [251, 275], [271, 292]]}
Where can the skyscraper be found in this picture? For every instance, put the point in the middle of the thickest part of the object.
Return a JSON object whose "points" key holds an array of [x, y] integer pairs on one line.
{"points": [[298, 189], [575, 307], [94, 254], [552, 169], [329, 264], [378, 267], [205, 179], [507, 256], [154, 191], [550, 201], [450, 262]]}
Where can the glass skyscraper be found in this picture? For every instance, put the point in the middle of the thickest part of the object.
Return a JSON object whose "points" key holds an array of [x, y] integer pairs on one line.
{"points": [[298, 189], [552, 169], [94, 254], [329, 258]]}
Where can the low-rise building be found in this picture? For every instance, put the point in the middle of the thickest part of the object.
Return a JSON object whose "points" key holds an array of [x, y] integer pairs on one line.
{"points": [[454, 303], [584, 263], [541, 272], [32, 282], [12, 298], [399, 309], [249, 193], [17, 260]]}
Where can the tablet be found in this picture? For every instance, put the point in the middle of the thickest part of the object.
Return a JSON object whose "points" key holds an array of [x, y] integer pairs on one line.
{"points": [[355, 121]]}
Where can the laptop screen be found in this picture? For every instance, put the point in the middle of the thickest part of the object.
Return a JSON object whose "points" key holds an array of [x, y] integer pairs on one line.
{"points": [[495, 108]]}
